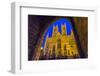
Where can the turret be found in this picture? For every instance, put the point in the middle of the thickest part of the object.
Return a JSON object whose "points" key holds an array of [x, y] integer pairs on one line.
{"points": [[55, 30], [63, 29]]}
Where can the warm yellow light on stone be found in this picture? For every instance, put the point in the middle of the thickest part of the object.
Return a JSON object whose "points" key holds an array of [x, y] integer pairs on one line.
{"points": [[61, 44], [41, 48]]}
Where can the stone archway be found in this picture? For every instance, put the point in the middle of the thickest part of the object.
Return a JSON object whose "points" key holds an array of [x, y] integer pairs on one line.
{"points": [[40, 40]]}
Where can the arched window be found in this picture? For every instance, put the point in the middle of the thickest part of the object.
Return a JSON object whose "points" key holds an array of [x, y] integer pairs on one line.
{"points": [[59, 44], [65, 47], [65, 50], [53, 52], [53, 47]]}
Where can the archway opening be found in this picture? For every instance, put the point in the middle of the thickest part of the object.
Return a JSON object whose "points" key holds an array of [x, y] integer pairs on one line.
{"points": [[57, 23]]}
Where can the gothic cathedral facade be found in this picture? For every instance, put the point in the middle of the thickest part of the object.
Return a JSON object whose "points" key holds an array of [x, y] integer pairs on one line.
{"points": [[61, 45]]}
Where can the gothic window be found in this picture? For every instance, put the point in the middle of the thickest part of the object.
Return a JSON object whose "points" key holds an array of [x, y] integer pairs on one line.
{"points": [[53, 51], [68, 52], [72, 53], [53, 47], [65, 47], [59, 44], [65, 50]]}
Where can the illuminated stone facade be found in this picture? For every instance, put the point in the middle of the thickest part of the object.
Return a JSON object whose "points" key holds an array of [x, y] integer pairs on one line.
{"points": [[60, 45]]}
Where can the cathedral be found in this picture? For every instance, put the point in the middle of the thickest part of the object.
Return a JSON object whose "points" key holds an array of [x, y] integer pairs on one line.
{"points": [[60, 45], [57, 37]]}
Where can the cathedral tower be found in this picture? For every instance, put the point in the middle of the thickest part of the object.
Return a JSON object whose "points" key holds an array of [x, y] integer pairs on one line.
{"points": [[55, 30], [63, 29]]}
